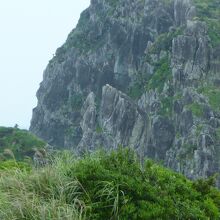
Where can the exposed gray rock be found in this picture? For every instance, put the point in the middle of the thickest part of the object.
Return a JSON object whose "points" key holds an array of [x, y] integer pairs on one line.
{"points": [[142, 74], [163, 135], [183, 11]]}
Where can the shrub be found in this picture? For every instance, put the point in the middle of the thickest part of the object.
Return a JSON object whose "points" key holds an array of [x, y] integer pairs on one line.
{"points": [[166, 106], [161, 76], [196, 109], [76, 101], [105, 186], [208, 11], [213, 95]]}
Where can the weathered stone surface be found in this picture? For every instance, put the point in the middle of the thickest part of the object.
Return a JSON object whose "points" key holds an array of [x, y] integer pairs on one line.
{"points": [[183, 11], [163, 135], [138, 73]]}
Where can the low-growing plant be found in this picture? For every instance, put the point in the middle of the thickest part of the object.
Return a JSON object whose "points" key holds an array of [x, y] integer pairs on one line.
{"points": [[166, 106], [103, 185], [213, 95], [161, 75], [209, 11], [196, 109]]}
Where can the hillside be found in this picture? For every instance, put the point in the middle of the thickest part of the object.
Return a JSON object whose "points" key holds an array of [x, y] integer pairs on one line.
{"points": [[18, 144], [105, 186], [143, 74]]}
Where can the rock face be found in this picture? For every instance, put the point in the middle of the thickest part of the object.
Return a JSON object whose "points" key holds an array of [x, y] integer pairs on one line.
{"points": [[144, 74]]}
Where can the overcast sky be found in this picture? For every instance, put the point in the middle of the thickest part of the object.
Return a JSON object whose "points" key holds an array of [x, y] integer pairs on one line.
{"points": [[30, 33]]}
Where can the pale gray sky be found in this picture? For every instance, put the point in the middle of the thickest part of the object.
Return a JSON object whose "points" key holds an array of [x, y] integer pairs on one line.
{"points": [[30, 33]]}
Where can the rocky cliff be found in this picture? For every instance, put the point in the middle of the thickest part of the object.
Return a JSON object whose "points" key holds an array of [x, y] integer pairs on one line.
{"points": [[138, 73]]}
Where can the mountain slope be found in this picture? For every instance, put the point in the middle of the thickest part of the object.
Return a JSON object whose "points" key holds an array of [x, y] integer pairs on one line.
{"points": [[143, 74]]}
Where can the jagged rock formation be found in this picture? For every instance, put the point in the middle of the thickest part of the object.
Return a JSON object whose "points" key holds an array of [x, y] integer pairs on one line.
{"points": [[144, 74]]}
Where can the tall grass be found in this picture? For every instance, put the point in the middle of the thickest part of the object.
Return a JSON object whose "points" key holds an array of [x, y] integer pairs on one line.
{"points": [[44, 193], [104, 186]]}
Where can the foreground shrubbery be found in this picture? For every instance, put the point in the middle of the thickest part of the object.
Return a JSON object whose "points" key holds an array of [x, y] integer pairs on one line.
{"points": [[104, 186]]}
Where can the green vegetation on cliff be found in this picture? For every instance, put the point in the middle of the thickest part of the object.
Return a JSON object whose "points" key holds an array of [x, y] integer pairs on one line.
{"points": [[196, 109], [105, 186], [213, 95], [162, 75], [209, 12], [17, 143]]}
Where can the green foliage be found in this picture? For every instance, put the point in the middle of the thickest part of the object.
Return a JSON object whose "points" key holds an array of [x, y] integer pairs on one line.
{"points": [[187, 151], [217, 134], [213, 30], [199, 129], [138, 87], [178, 135], [204, 186], [166, 106], [167, 2], [20, 142], [136, 90], [178, 96], [161, 76], [213, 94], [79, 39], [196, 109], [209, 11], [12, 164], [76, 101], [164, 41], [113, 3], [209, 8], [105, 186], [83, 38], [99, 129]]}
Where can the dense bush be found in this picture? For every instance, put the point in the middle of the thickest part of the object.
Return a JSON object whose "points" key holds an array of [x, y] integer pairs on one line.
{"points": [[105, 186]]}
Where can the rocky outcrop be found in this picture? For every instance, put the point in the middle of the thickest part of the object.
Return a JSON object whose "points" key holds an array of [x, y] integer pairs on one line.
{"points": [[121, 121], [107, 46], [143, 74]]}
